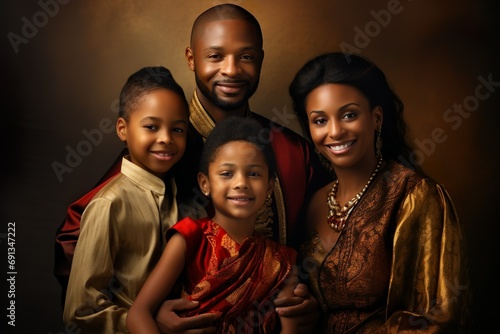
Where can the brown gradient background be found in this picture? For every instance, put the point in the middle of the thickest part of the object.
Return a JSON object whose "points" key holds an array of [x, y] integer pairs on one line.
{"points": [[67, 79]]}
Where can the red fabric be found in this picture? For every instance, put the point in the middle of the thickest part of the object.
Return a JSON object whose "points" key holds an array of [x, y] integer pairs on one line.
{"points": [[238, 281], [291, 165]]}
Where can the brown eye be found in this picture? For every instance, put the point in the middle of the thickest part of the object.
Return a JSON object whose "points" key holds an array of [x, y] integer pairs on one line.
{"points": [[247, 57], [349, 115], [319, 121]]}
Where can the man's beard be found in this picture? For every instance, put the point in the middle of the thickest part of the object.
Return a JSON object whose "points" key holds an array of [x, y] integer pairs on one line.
{"points": [[224, 105]]}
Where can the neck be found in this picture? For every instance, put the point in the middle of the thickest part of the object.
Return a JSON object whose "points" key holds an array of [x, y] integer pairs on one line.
{"points": [[217, 113], [351, 180]]}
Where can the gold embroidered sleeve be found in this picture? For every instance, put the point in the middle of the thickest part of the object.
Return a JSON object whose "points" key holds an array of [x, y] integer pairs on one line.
{"points": [[429, 289]]}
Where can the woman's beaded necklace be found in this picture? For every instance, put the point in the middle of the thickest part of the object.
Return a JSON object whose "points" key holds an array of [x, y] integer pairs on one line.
{"points": [[337, 216]]}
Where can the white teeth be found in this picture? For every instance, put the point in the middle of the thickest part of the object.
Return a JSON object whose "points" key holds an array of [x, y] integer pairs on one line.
{"points": [[240, 198], [340, 147]]}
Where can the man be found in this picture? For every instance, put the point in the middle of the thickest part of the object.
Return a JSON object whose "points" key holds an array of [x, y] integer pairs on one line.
{"points": [[226, 54]]}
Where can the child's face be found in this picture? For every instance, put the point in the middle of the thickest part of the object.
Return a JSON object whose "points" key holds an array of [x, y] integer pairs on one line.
{"points": [[238, 181], [156, 131]]}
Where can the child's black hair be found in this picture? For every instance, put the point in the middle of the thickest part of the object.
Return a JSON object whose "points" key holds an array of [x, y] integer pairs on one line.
{"points": [[145, 81], [238, 129]]}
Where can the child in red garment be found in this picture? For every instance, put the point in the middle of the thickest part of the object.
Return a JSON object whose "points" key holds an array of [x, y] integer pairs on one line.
{"points": [[220, 261]]}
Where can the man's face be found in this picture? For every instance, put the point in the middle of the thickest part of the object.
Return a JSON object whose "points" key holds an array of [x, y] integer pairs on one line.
{"points": [[226, 57]]}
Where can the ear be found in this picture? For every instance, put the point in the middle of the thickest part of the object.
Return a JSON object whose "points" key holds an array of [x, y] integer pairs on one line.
{"points": [[190, 58], [204, 184], [378, 115], [121, 129]]}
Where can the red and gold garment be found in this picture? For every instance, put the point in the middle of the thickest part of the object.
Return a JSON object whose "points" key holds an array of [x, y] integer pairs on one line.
{"points": [[238, 281]]}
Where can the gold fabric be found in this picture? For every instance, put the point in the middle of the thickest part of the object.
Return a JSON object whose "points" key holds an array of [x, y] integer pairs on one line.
{"points": [[200, 119], [122, 237], [204, 124], [399, 265]]}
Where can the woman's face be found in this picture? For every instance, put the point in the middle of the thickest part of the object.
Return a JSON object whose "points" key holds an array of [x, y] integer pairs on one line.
{"points": [[343, 125]]}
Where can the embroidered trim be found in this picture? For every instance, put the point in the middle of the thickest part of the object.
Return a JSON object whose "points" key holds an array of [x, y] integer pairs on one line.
{"points": [[200, 119]]}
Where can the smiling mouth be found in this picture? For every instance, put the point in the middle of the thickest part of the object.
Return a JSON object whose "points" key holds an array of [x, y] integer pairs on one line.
{"points": [[230, 89], [230, 83], [337, 148], [241, 199], [163, 156]]}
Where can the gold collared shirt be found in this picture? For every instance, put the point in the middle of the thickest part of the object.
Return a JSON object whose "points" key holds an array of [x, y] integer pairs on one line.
{"points": [[122, 237]]}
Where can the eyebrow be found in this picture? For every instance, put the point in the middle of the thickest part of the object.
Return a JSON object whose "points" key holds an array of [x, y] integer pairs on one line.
{"points": [[228, 164], [345, 106], [152, 118], [220, 48]]}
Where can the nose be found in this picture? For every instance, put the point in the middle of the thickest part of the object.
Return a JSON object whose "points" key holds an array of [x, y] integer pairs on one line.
{"points": [[164, 136], [229, 66], [240, 181], [334, 129]]}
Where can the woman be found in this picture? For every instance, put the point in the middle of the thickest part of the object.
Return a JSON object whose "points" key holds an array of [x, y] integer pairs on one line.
{"points": [[383, 251]]}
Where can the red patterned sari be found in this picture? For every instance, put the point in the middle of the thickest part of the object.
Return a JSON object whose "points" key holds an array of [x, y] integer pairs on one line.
{"points": [[238, 281]]}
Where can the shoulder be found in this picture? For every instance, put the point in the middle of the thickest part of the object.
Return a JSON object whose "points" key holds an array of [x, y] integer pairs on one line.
{"points": [[397, 179], [403, 178], [121, 194], [188, 224], [193, 232], [277, 129], [191, 229], [113, 189], [424, 203], [106, 196], [288, 146]]}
